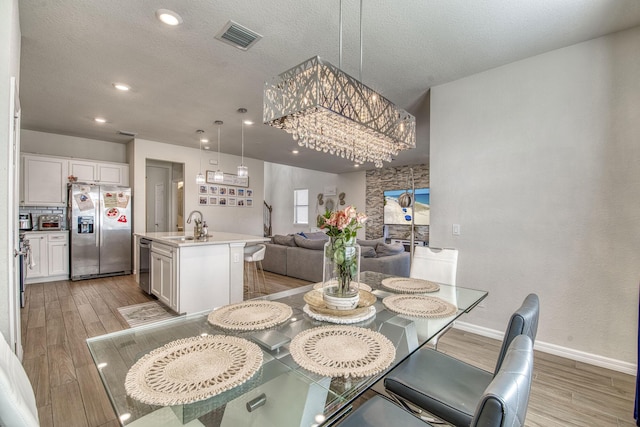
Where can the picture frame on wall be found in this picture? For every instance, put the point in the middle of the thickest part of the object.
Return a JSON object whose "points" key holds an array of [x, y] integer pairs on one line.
{"points": [[222, 190], [248, 203], [203, 201], [213, 201], [240, 192], [232, 191], [213, 190], [249, 192], [232, 201], [222, 201], [240, 202], [202, 189]]}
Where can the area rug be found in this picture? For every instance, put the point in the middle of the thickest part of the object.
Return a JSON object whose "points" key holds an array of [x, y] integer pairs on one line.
{"points": [[142, 314]]}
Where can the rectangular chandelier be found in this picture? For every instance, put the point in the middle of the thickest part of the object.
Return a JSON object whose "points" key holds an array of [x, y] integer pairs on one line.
{"points": [[325, 109]]}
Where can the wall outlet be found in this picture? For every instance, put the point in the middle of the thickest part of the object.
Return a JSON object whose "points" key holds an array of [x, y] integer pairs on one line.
{"points": [[456, 229], [236, 257]]}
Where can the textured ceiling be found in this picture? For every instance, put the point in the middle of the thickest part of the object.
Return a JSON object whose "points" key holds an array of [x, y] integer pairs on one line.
{"points": [[183, 79]]}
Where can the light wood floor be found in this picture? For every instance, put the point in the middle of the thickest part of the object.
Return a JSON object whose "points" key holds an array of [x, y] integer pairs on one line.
{"points": [[59, 316]]}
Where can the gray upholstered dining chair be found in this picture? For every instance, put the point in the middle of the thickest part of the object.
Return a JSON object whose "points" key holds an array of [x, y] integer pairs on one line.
{"points": [[17, 401], [447, 387], [440, 266], [503, 402]]}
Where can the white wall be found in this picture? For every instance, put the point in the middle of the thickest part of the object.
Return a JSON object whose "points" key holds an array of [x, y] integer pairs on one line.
{"points": [[72, 146], [281, 181], [9, 67], [228, 219], [539, 161]]}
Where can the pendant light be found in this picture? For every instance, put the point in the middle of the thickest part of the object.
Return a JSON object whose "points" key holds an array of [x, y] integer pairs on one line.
{"points": [[218, 176], [243, 171], [200, 178]]}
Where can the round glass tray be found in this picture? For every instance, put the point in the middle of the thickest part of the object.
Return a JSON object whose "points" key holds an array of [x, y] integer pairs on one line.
{"points": [[316, 302]]}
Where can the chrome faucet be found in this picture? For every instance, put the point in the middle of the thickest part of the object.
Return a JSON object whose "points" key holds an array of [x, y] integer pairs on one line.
{"points": [[197, 228]]}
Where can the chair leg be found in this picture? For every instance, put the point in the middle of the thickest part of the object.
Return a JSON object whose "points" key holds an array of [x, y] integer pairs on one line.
{"points": [[264, 281]]}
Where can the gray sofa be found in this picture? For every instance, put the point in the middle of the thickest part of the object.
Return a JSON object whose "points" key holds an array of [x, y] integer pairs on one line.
{"points": [[288, 259]]}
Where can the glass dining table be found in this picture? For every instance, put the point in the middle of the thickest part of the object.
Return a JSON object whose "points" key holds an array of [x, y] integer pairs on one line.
{"points": [[281, 393]]}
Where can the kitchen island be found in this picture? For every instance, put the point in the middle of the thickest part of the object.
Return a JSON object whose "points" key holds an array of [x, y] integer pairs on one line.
{"points": [[191, 275]]}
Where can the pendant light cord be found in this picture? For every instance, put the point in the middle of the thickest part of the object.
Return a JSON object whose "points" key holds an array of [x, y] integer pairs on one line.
{"points": [[218, 146], [242, 158], [340, 40]]}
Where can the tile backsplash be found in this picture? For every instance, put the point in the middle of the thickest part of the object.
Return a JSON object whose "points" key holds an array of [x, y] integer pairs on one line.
{"points": [[36, 211]]}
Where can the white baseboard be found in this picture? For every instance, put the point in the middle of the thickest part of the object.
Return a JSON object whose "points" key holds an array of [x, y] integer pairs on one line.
{"points": [[569, 353]]}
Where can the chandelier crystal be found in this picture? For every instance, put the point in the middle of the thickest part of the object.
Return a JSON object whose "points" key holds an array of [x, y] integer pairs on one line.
{"points": [[325, 109]]}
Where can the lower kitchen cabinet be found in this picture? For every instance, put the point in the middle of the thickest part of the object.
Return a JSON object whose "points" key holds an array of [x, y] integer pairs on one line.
{"points": [[49, 256], [163, 274]]}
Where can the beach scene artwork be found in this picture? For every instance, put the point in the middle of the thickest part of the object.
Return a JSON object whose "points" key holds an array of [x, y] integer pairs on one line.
{"points": [[397, 215]]}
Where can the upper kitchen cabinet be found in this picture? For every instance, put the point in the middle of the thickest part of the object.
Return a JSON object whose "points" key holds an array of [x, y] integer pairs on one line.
{"points": [[99, 172], [44, 180]]}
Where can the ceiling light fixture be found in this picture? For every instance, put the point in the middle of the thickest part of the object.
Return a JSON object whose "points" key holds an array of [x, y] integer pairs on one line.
{"points": [[200, 178], [243, 171], [121, 86], [169, 17], [218, 176], [100, 120], [295, 151], [325, 109]]}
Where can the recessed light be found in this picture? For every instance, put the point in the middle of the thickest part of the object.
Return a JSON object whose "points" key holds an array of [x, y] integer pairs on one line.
{"points": [[295, 151], [248, 122], [204, 140], [357, 165], [169, 17], [100, 120], [121, 86], [206, 147]]}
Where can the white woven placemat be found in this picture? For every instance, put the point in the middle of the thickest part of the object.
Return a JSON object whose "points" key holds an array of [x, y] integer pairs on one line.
{"points": [[361, 285], [192, 369], [407, 285], [250, 315], [342, 351], [368, 313], [419, 306]]}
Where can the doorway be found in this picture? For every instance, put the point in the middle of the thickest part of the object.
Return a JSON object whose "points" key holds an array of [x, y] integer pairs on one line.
{"points": [[164, 194]]}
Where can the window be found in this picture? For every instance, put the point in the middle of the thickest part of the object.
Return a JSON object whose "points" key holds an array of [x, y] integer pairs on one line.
{"points": [[301, 206]]}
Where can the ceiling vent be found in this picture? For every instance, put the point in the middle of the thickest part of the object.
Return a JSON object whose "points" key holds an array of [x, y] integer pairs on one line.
{"points": [[238, 36], [127, 133]]}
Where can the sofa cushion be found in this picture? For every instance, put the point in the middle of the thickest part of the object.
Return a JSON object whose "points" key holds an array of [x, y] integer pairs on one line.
{"points": [[368, 251], [372, 243], [387, 249], [314, 244], [287, 240]]}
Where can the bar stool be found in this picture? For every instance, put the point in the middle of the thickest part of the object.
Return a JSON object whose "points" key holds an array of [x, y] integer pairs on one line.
{"points": [[253, 256]]}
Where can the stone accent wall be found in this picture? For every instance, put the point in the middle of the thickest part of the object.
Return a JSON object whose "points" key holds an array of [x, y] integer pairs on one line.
{"points": [[393, 178]]}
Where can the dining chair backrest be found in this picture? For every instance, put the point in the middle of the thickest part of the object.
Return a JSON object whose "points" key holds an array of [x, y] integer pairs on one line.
{"points": [[434, 264], [523, 321], [17, 401], [505, 400]]}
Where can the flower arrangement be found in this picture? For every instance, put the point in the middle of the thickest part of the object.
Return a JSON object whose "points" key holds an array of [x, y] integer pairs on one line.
{"points": [[341, 254]]}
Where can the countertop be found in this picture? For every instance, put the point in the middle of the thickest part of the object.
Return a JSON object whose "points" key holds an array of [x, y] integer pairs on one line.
{"points": [[180, 239]]}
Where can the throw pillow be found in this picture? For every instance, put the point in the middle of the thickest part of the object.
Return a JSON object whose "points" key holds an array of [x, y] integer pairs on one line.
{"points": [[387, 249], [314, 244], [318, 235], [368, 251], [372, 243], [287, 240]]}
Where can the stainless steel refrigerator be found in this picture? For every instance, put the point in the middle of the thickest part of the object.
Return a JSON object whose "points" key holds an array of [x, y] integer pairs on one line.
{"points": [[99, 219]]}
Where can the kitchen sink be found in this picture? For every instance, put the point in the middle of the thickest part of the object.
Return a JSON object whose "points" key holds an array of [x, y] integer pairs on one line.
{"points": [[183, 238]]}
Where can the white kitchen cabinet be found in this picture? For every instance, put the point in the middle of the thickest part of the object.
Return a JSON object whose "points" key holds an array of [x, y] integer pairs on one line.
{"points": [[163, 274], [44, 180], [99, 172], [50, 256], [38, 267], [58, 254]]}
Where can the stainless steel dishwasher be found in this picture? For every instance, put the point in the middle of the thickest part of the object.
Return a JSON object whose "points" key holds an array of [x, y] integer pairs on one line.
{"points": [[144, 262]]}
